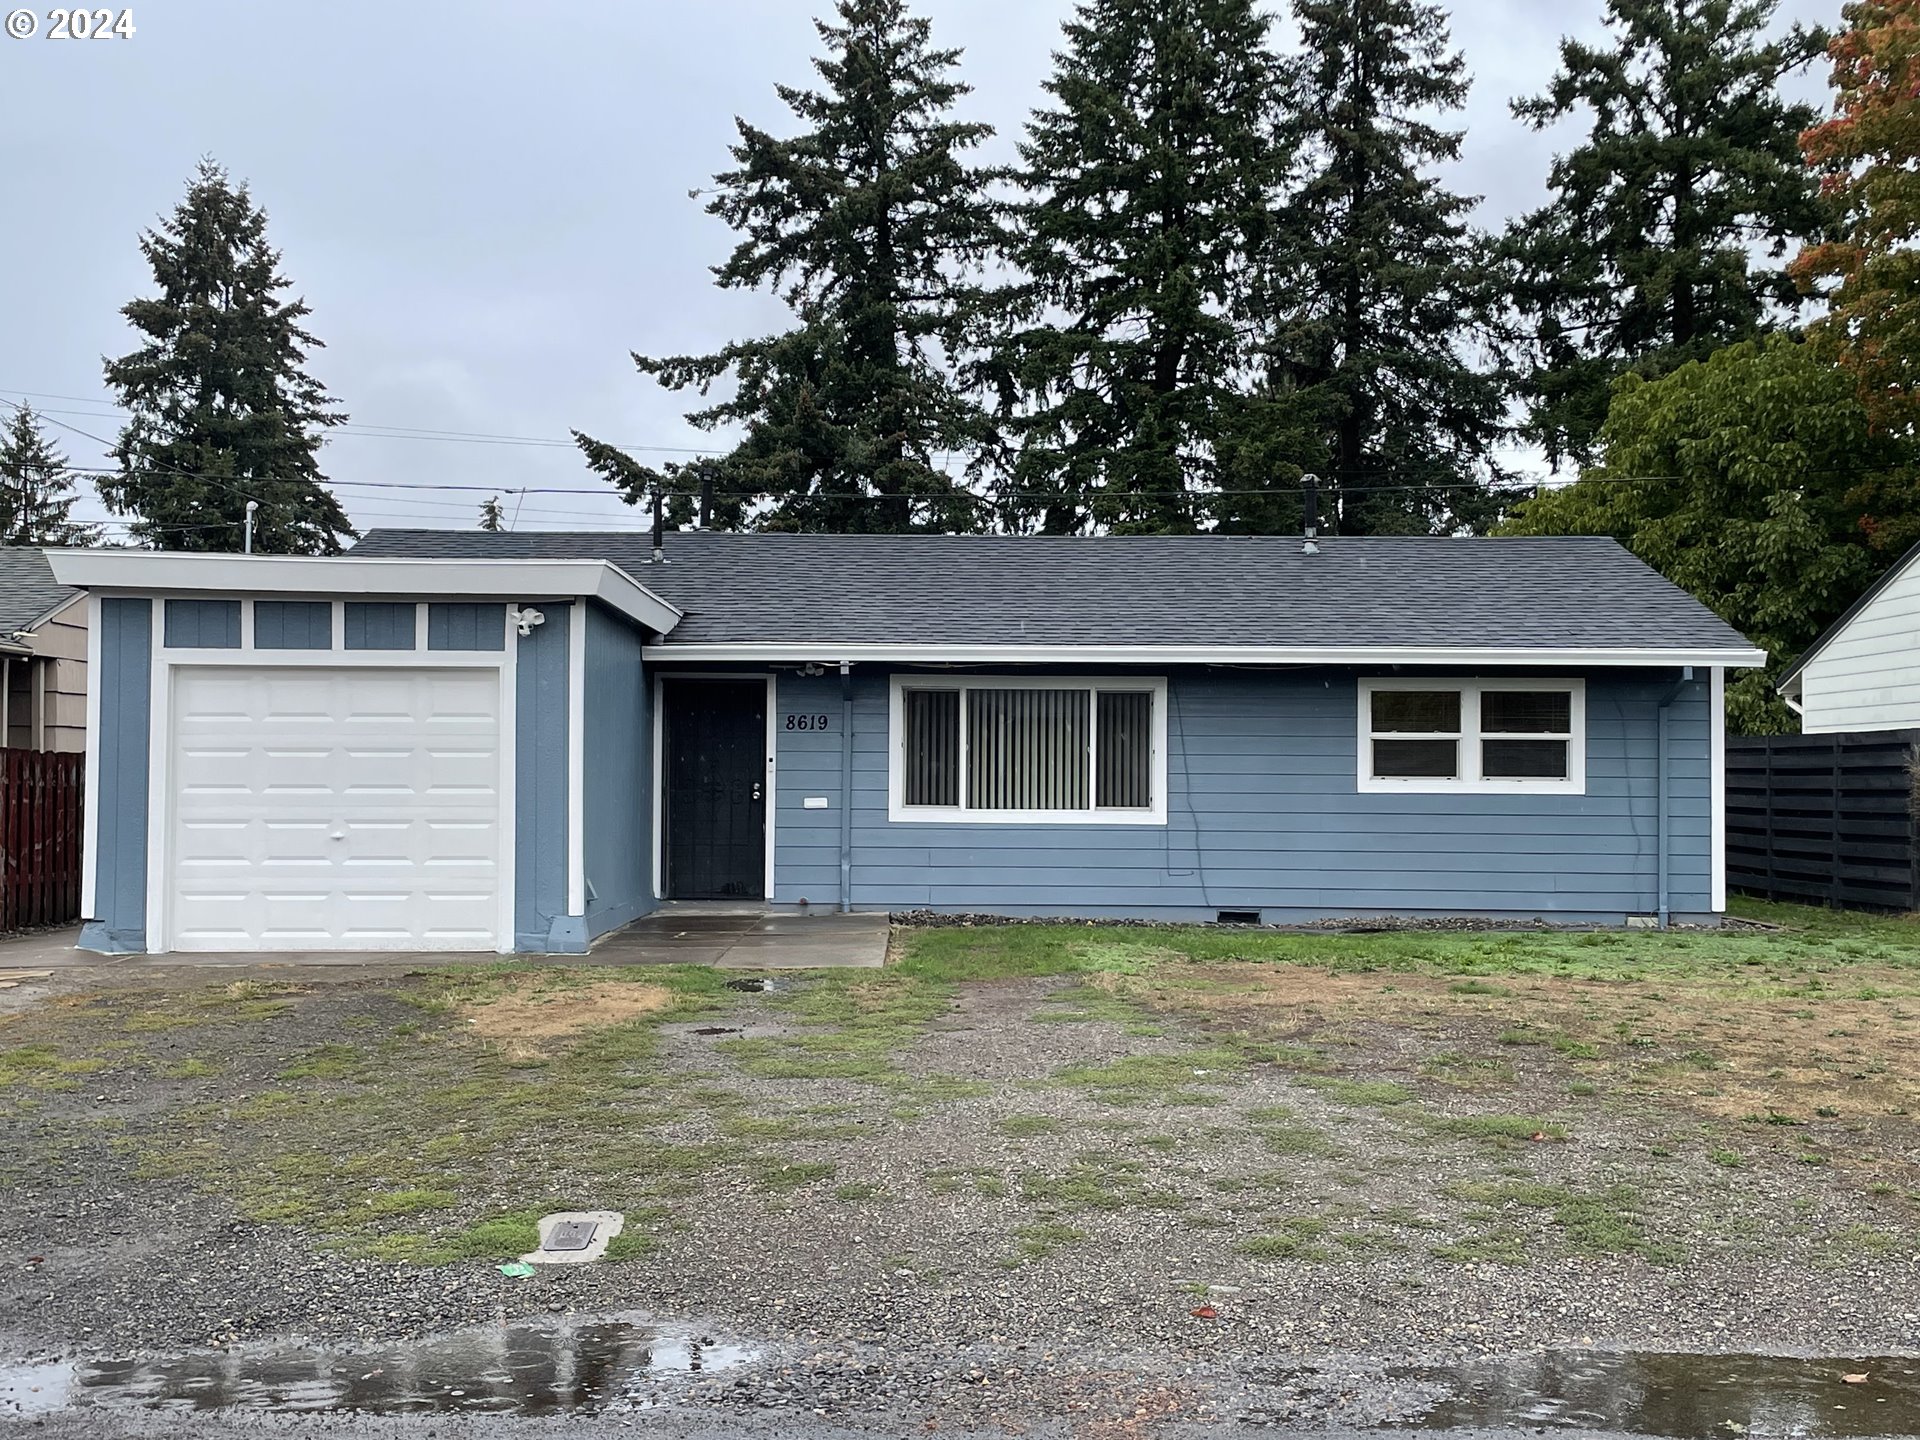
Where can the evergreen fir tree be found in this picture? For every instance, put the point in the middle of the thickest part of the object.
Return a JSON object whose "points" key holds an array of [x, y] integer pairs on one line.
{"points": [[1644, 259], [492, 517], [222, 407], [37, 490], [870, 223], [1121, 374], [1377, 283]]}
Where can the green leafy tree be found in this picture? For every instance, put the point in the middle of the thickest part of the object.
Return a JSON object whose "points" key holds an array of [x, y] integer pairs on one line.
{"points": [[222, 409], [1378, 283], [37, 490], [870, 223], [493, 517], [1121, 371], [1738, 478], [1656, 246]]}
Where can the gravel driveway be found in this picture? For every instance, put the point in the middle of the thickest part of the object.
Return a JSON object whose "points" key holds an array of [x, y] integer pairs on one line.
{"points": [[1148, 1193]]}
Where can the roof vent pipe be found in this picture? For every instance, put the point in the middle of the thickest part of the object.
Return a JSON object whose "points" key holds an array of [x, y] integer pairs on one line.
{"points": [[659, 530], [1310, 513]]}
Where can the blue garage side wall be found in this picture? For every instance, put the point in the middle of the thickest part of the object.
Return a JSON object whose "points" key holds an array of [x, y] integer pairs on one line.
{"points": [[118, 925], [619, 775], [541, 923], [1265, 814]]}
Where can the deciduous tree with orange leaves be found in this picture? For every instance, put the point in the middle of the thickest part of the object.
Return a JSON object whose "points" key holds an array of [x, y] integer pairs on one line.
{"points": [[1868, 268]]}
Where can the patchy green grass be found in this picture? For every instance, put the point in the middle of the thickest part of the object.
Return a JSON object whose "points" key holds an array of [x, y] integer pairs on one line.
{"points": [[329, 1062], [1359, 1094], [1178, 1079], [1609, 1221], [1500, 1131], [1098, 1181], [1026, 1127], [1297, 1237], [1040, 1240]]}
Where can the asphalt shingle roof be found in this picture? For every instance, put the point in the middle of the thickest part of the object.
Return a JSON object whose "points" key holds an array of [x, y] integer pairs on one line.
{"points": [[28, 590], [1514, 593]]}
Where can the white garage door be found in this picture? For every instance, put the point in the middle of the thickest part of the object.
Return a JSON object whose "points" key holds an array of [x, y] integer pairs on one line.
{"points": [[320, 809]]}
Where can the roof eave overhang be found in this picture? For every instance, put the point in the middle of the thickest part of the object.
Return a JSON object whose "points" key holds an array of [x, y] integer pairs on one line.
{"points": [[1731, 657], [150, 572]]}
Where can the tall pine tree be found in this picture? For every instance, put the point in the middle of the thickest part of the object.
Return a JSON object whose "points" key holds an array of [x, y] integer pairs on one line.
{"points": [[37, 490], [1645, 258], [1122, 372], [1377, 284], [871, 223], [222, 407]]}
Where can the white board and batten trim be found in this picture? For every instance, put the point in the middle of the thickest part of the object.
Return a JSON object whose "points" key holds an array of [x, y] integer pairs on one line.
{"points": [[900, 812], [149, 572], [577, 759], [1469, 780], [660, 771], [166, 667], [1717, 773], [828, 652], [90, 812]]}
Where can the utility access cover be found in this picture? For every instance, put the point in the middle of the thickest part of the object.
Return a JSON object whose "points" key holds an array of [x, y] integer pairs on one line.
{"points": [[571, 1235]]}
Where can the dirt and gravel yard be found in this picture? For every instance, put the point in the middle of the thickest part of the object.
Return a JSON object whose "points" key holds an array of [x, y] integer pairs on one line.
{"points": [[1113, 1179]]}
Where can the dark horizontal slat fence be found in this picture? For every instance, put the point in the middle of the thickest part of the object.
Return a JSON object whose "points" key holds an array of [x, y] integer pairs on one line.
{"points": [[41, 797], [1825, 819]]}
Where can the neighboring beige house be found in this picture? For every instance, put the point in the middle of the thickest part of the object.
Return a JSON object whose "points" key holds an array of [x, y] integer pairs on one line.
{"points": [[43, 655]]}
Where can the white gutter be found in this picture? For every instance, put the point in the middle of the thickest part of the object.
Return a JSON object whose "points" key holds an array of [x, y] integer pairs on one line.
{"points": [[151, 572], [828, 653]]}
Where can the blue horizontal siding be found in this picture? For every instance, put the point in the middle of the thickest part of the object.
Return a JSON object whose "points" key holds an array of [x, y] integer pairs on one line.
{"points": [[1264, 812]]}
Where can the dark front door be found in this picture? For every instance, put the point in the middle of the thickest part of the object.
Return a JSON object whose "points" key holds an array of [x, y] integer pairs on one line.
{"points": [[715, 751]]}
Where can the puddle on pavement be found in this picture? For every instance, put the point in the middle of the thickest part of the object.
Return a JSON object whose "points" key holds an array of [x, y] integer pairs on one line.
{"points": [[1765, 1397], [531, 1369]]}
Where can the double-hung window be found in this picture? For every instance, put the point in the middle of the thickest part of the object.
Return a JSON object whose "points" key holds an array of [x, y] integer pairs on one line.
{"points": [[1435, 736], [1063, 750]]}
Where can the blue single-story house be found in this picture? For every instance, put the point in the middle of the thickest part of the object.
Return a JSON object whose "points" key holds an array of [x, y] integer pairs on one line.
{"points": [[519, 742]]}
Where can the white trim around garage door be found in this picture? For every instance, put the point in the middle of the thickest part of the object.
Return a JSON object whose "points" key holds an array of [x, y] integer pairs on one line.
{"points": [[160, 809], [659, 713]]}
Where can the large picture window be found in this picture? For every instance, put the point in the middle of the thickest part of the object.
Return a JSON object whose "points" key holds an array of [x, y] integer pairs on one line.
{"points": [[1439, 735], [1005, 750]]}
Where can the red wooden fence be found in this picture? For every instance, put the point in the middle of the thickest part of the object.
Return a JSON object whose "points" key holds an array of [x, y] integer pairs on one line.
{"points": [[40, 825]]}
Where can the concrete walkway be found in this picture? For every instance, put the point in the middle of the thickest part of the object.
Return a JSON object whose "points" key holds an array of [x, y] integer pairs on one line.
{"points": [[673, 935], [747, 940]]}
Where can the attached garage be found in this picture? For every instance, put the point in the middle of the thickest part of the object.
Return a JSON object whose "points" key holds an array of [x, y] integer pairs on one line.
{"points": [[317, 808], [290, 754]]}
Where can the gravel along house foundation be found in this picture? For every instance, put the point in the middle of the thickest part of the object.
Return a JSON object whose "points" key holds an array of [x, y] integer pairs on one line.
{"points": [[449, 741]]}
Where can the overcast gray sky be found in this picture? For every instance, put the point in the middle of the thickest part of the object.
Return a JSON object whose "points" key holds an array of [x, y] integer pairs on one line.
{"points": [[486, 202]]}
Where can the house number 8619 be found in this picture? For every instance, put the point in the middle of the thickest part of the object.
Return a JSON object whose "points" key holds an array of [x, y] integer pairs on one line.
{"points": [[806, 722]]}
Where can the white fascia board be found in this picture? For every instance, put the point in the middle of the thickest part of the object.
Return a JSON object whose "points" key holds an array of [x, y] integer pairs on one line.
{"points": [[1739, 658], [149, 572]]}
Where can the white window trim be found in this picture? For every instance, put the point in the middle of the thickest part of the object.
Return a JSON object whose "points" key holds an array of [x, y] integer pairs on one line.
{"points": [[898, 809], [1470, 780]]}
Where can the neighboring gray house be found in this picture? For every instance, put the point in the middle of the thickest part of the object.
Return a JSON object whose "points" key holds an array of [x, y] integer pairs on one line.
{"points": [[462, 740], [43, 655]]}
